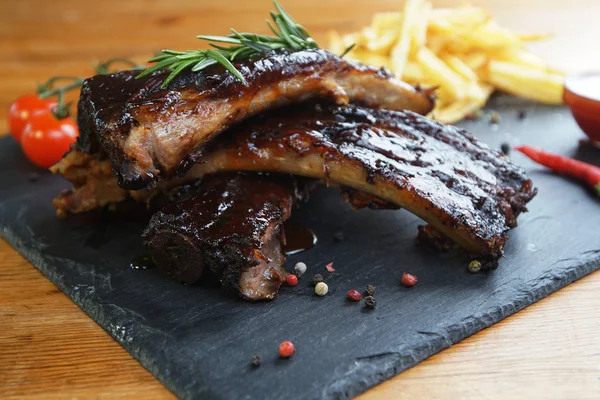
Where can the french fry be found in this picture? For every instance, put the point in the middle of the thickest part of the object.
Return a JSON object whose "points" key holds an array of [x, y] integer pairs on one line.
{"points": [[460, 67], [456, 111], [490, 36], [382, 22], [460, 51], [526, 82], [413, 73], [533, 37], [335, 42], [399, 52], [475, 60], [383, 41], [521, 57], [465, 16], [442, 74], [419, 28], [369, 58]]}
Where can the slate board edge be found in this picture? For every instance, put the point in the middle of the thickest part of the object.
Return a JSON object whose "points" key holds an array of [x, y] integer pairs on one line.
{"points": [[350, 385]]}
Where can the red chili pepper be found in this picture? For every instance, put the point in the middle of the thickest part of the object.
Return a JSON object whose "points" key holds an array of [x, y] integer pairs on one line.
{"points": [[409, 280], [564, 165]]}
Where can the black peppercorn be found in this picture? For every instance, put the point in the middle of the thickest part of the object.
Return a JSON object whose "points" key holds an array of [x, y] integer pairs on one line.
{"points": [[316, 279], [494, 118], [33, 177], [505, 147], [338, 236], [370, 291], [522, 114], [370, 302], [256, 361]]}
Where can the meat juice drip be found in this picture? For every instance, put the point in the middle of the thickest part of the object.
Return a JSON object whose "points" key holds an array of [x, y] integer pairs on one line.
{"points": [[298, 238], [141, 262]]}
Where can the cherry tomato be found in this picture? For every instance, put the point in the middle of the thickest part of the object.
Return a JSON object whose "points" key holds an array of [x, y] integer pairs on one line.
{"points": [[22, 109], [46, 139]]}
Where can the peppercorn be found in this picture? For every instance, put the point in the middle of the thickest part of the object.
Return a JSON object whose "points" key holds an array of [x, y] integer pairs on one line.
{"points": [[338, 236], [474, 266], [321, 289], [505, 147], [354, 295], [474, 115], [33, 177], [409, 280], [522, 114], [299, 269], [317, 278], [286, 349], [256, 361], [370, 290], [370, 302], [291, 280], [494, 118]]}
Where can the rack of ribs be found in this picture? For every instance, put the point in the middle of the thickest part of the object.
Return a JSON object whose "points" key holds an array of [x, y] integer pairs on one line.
{"points": [[228, 227], [150, 133], [463, 189]]}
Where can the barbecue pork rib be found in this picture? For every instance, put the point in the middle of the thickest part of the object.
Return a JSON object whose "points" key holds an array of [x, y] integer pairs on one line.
{"points": [[230, 227], [463, 189], [149, 133]]}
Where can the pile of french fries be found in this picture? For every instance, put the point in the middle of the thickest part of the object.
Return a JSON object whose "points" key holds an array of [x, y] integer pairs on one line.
{"points": [[461, 51]]}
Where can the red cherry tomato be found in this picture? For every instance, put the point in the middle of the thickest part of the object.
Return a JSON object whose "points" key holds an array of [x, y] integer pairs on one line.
{"points": [[46, 139], [23, 109]]}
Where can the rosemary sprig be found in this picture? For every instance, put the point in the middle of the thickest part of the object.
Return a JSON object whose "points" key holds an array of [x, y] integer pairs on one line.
{"points": [[50, 88], [236, 46]]}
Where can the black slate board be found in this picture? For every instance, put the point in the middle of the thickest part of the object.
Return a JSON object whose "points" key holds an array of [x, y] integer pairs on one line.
{"points": [[198, 341]]}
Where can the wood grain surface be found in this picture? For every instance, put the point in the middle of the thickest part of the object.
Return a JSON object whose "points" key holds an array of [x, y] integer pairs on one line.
{"points": [[51, 349]]}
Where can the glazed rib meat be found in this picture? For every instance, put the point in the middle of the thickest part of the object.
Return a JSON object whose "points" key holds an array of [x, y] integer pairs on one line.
{"points": [[463, 189], [228, 228], [149, 133]]}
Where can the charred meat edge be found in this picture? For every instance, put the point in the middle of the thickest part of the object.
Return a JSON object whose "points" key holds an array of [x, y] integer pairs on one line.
{"points": [[149, 133], [228, 227]]}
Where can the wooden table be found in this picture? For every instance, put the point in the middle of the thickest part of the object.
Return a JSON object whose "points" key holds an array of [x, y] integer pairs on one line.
{"points": [[51, 349]]}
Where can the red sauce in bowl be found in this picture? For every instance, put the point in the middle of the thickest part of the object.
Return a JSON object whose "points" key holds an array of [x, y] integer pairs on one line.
{"points": [[582, 95]]}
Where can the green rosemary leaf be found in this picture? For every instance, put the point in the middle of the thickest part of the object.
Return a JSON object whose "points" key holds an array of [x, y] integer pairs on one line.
{"points": [[289, 22], [288, 34], [259, 47], [176, 72], [207, 62], [160, 65], [221, 39], [226, 63], [348, 50]]}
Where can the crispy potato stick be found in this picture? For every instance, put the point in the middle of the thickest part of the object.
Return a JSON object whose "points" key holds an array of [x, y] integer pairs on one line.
{"points": [[460, 67], [521, 57], [475, 60], [419, 28], [526, 82], [533, 37], [462, 51], [400, 50], [382, 22], [465, 16], [441, 74], [490, 36], [365, 57]]}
